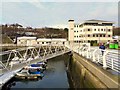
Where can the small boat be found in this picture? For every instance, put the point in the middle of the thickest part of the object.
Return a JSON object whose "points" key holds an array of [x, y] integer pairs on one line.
{"points": [[38, 65], [29, 74], [42, 64], [35, 66]]}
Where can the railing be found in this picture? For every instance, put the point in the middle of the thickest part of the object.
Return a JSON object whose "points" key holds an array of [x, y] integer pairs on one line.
{"points": [[27, 54], [109, 60]]}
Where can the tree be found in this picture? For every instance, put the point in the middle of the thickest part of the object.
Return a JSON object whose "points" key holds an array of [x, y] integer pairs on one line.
{"points": [[66, 29]]}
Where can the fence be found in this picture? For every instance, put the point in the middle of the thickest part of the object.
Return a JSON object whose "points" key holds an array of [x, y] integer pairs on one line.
{"points": [[109, 60]]}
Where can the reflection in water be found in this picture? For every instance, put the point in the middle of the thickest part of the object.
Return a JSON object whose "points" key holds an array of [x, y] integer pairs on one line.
{"points": [[55, 77]]}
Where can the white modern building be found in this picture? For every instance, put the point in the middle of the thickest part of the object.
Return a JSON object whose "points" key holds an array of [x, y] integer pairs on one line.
{"points": [[53, 41], [90, 31], [33, 41], [28, 41]]}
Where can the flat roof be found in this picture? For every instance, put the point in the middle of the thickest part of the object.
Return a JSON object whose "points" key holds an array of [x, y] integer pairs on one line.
{"points": [[51, 39], [97, 21], [24, 37]]}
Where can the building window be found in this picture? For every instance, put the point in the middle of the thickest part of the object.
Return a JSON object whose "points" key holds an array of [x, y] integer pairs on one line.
{"points": [[74, 36], [100, 35], [108, 35], [93, 35], [42, 42], [103, 35], [88, 35], [104, 29], [94, 29], [77, 36], [96, 35], [109, 30], [37, 42], [101, 29], [74, 25], [77, 31], [88, 29], [98, 29], [74, 31]]}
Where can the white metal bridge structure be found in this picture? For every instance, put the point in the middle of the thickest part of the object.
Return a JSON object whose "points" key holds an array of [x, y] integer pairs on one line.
{"points": [[13, 60]]}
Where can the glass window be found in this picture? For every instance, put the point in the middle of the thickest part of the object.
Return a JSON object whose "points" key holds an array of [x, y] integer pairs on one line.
{"points": [[101, 29], [108, 35], [88, 29], [94, 29], [109, 30], [103, 35], [88, 35]]}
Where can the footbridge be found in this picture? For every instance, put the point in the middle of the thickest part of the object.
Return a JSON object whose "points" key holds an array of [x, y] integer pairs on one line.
{"points": [[13, 60]]}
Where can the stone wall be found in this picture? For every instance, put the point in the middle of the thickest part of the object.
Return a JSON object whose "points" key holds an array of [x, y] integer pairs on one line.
{"points": [[84, 74]]}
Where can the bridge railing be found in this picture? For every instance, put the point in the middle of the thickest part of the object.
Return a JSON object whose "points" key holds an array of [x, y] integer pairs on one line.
{"points": [[27, 54], [109, 60]]}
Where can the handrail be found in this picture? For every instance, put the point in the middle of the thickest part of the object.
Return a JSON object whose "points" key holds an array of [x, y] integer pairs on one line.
{"points": [[108, 60]]}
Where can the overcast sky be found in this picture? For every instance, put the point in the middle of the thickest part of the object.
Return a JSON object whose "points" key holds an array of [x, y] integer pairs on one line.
{"points": [[41, 14]]}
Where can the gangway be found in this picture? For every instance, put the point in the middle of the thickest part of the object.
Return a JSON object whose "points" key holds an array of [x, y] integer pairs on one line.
{"points": [[18, 58]]}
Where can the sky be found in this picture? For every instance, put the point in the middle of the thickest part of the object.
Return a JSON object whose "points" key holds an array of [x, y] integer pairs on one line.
{"points": [[41, 13]]}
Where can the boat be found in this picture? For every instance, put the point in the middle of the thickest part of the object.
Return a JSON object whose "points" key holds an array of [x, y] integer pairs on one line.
{"points": [[29, 74], [42, 64], [35, 66]]}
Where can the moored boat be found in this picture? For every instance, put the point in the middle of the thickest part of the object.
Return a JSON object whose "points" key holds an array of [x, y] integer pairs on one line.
{"points": [[29, 74]]}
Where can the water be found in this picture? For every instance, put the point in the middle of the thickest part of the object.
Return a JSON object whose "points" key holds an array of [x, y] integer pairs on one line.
{"points": [[55, 77]]}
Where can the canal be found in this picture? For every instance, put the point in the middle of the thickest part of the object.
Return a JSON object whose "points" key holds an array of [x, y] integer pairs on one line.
{"points": [[55, 76]]}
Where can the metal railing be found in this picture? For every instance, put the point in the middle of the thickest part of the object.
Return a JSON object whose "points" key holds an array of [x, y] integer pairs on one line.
{"points": [[109, 60], [25, 55]]}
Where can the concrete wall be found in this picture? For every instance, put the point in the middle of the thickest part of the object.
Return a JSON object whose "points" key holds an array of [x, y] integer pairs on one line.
{"points": [[84, 74]]}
